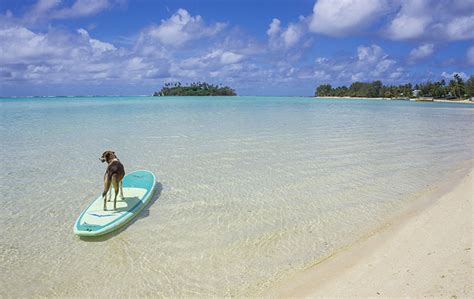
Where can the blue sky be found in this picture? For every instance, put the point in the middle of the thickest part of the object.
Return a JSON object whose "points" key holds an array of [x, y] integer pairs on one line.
{"points": [[111, 47]]}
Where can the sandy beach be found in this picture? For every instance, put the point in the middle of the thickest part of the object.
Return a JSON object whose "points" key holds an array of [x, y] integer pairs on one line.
{"points": [[455, 101], [462, 101], [426, 252], [350, 98]]}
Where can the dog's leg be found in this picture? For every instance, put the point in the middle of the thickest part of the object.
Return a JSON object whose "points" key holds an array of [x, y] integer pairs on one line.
{"points": [[105, 201], [106, 190], [115, 183], [121, 189]]}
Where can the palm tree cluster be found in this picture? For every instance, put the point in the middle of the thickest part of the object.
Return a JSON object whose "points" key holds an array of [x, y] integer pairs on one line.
{"points": [[455, 88], [194, 89]]}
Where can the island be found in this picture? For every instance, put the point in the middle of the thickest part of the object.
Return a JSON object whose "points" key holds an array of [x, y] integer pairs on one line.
{"points": [[194, 89]]}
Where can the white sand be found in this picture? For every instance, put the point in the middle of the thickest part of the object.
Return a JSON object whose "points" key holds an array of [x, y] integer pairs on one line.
{"points": [[428, 252], [464, 101]]}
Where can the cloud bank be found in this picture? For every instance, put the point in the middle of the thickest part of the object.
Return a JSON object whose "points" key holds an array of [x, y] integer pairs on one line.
{"points": [[186, 47]]}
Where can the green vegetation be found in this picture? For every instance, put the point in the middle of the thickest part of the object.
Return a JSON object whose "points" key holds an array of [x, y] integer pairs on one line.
{"points": [[456, 88], [194, 89], [469, 87]]}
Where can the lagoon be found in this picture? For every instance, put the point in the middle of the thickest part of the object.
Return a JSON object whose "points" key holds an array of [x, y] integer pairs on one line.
{"points": [[252, 189]]}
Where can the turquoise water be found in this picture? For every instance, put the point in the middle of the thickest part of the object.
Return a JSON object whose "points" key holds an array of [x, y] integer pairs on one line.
{"points": [[252, 189]]}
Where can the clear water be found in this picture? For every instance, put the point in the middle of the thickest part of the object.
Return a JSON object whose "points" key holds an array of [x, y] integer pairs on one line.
{"points": [[251, 189]]}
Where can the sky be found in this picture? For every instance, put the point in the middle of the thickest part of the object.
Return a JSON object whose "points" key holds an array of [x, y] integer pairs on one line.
{"points": [[279, 47]]}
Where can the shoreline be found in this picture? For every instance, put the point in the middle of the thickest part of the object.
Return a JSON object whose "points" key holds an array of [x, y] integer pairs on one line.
{"points": [[432, 100], [424, 250], [461, 101]]}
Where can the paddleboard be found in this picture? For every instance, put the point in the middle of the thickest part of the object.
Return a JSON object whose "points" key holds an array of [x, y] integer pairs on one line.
{"points": [[138, 189]]}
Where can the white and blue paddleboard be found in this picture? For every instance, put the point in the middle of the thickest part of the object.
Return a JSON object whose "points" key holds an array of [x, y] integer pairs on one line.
{"points": [[138, 189]]}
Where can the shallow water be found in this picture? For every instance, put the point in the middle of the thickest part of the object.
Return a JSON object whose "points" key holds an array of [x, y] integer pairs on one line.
{"points": [[250, 189]]}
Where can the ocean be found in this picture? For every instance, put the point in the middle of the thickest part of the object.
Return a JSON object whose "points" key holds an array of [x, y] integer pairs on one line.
{"points": [[250, 189]]}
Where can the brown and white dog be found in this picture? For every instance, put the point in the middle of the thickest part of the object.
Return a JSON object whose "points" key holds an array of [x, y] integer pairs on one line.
{"points": [[113, 176]]}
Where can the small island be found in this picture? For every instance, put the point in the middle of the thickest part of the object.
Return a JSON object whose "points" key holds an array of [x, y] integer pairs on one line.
{"points": [[194, 89]]}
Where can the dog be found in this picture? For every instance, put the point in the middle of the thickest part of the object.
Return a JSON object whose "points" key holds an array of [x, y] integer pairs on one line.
{"points": [[113, 177]]}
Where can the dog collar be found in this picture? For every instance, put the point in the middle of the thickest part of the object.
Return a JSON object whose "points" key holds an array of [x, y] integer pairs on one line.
{"points": [[114, 159]]}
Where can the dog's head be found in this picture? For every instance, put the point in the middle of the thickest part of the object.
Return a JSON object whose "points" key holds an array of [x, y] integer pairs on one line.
{"points": [[107, 156]]}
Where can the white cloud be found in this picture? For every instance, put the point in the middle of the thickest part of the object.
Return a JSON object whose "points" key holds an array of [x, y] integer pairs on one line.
{"points": [[230, 58], [284, 38], [82, 8], [470, 55], [370, 63], [20, 44], [45, 10], [292, 35], [421, 52], [96, 44], [320, 75], [373, 61], [406, 27], [433, 19], [41, 9], [212, 60], [411, 21], [370, 54], [181, 27], [274, 27], [460, 28], [57, 56], [343, 17]]}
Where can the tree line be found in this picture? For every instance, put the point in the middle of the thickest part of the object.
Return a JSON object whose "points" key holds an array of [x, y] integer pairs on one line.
{"points": [[194, 89], [455, 88]]}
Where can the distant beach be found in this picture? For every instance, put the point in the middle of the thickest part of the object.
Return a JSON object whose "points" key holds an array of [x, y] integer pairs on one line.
{"points": [[464, 101]]}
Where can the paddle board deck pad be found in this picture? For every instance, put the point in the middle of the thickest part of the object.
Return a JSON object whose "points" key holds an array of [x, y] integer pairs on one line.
{"points": [[138, 189]]}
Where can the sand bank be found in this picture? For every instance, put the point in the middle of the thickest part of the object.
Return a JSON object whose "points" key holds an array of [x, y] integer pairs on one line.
{"points": [[454, 101], [351, 98], [427, 252]]}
